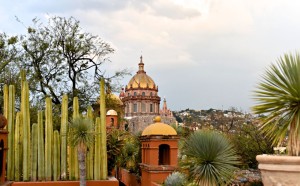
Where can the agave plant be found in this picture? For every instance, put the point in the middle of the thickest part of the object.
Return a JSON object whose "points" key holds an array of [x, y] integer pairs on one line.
{"points": [[209, 158], [278, 97], [176, 179], [81, 135]]}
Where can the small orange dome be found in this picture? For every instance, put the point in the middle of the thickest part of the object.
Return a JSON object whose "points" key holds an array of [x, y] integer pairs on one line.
{"points": [[159, 128]]}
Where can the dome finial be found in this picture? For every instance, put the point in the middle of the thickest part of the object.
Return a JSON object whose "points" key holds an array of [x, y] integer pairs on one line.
{"points": [[157, 119], [141, 65]]}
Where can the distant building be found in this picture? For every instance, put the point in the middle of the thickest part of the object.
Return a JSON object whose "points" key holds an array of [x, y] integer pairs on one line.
{"points": [[142, 103]]}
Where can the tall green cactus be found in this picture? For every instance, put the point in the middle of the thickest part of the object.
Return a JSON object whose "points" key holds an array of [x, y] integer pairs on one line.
{"points": [[17, 148], [49, 139], [5, 101], [26, 130], [97, 157], [74, 169], [56, 155], [11, 136], [41, 147], [103, 151], [90, 153], [34, 152], [63, 133]]}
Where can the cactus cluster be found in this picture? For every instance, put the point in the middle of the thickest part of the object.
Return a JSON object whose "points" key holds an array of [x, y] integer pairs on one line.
{"points": [[39, 153]]}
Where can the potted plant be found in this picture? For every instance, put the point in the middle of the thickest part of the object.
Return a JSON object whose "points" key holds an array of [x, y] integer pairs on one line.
{"points": [[278, 99]]}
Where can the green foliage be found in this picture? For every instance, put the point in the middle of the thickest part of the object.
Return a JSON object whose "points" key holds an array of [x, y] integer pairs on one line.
{"points": [[81, 131], [131, 154], [115, 142], [176, 179], [249, 142], [209, 158], [278, 97], [182, 131]]}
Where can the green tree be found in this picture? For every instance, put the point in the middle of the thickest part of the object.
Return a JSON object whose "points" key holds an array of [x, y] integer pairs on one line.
{"points": [[250, 142], [209, 158], [81, 135], [61, 58], [278, 97]]}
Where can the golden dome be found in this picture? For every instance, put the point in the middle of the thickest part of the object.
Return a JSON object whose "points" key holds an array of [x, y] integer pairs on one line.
{"points": [[111, 113], [141, 79], [159, 128], [115, 98]]}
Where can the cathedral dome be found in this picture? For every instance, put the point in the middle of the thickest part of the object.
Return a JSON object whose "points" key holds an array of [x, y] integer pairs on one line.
{"points": [[141, 79], [159, 128]]}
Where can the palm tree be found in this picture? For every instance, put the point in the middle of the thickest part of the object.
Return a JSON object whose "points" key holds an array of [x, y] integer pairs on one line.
{"points": [[209, 158], [278, 97], [114, 147], [81, 135]]}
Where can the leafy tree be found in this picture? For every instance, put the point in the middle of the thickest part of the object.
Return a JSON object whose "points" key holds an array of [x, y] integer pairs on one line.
{"points": [[9, 62], [9, 51], [278, 97], [250, 142], [81, 135], [61, 58], [209, 158]]}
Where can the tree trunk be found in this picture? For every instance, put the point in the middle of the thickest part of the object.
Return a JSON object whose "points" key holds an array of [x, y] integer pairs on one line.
{"points": [[81, 161]]}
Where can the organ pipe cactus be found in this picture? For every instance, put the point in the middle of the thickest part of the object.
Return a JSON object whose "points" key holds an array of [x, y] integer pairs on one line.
{"points": [[97, 158], [103, 151], [74, 155], [5, 97], [90, 152], [49, 139], [17, 148], [41, 147], [56, 155], [26, 130], [11, 124], [63, 133], [34, 152]]}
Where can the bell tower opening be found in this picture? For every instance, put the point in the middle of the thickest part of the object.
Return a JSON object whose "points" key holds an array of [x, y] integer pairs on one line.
{"points": [[164, 155]]}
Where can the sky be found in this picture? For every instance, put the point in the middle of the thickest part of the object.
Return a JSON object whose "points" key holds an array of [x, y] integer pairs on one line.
{"points": [[202, 54]]}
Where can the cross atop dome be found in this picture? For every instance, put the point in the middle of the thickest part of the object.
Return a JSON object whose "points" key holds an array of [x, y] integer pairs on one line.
{"points": [[141, 65]]}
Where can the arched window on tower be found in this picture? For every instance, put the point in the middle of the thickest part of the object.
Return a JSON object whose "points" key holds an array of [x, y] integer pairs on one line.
{"points": [[164, 155], [143, 93], [134, 94], [151, 107], [112, 122], [150, 93]]}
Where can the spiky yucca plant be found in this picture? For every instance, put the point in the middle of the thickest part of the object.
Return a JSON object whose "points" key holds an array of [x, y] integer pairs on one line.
{"points": [[278, 97], [210, 158], [81, 135]]}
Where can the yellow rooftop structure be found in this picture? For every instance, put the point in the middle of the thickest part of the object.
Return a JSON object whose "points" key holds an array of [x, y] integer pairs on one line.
{"points": [[159, 128]]}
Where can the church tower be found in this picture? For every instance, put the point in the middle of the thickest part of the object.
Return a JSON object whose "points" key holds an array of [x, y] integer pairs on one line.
{"points": [[140, 99]]}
